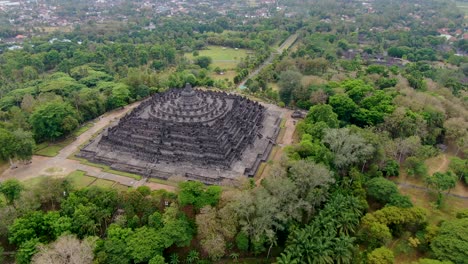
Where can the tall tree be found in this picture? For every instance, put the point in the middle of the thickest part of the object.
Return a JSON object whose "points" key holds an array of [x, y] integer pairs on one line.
{"points": [[24, 144], [311, 181], [440, 182], [381, 255], [289, 81], [348, 148], [11, 190], [460, 168], [53, 120], [451, 242], [456, 132], [7, 145], [214, 228], [323, 113], [66, 250], [203, 61]]}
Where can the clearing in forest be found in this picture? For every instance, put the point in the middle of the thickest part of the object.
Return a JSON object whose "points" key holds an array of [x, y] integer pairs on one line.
{"points": [[223, 57]]}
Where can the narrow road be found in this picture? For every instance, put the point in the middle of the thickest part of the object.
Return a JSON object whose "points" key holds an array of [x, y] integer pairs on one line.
{"points": [[60, 165], [284, 46]]}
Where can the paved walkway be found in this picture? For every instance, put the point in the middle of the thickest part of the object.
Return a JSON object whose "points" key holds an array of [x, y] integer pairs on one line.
{"points": [[60, 165]]}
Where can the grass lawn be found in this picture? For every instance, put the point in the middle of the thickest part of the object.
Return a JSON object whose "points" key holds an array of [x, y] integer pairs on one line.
{"points": [[103, 183], [83, 129], [52, 149], [120, 187], [223, 57], [274, 86], [280, 137], [33, 181], [106, 168], [439, 163], [170, 183], [227, 75], [312, 80], [427, 200], [80, 179], [260, 170]]}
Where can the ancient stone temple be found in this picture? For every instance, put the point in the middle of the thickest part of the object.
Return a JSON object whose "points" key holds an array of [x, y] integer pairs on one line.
{"points": [[202, 135]]}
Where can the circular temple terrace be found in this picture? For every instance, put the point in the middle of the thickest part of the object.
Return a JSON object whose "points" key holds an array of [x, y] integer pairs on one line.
{"points": [[200, 135]]}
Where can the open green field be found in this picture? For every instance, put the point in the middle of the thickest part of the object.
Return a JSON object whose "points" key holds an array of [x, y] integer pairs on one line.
{"points": [[80, 179], [274, 86], [106, 168], [33, 181], [120, 187], [223, 57], [103, 183], [463, 7], [49, 149], [227, 75], [165, 182]]}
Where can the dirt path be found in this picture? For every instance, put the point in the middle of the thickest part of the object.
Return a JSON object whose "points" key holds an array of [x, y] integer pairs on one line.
{"points": [[290, 128], [437, 164], [61, 165], [407, 185], [444, 164]]}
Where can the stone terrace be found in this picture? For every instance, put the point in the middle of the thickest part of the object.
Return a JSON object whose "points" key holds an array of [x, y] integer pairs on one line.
{"points": [[200, 135]]}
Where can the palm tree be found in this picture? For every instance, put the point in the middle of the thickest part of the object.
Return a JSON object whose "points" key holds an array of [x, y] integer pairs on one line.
{"points": [[343, 249], [174, 259], [234, 256], [286, 259], [192, 257], [347, 223]]}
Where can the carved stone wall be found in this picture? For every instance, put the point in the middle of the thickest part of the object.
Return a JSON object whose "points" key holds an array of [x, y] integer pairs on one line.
{"points": [[199, 134]]}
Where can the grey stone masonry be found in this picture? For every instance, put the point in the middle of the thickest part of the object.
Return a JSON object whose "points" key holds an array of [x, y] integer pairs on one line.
{"points": [[200, 135]]}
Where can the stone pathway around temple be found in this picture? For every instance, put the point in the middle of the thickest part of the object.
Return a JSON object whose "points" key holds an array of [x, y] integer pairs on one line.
{"points": [[61, 165], [287, 139]]}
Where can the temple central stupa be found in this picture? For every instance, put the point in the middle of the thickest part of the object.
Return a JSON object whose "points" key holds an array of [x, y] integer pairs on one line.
{"points": [[200, 135]]}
